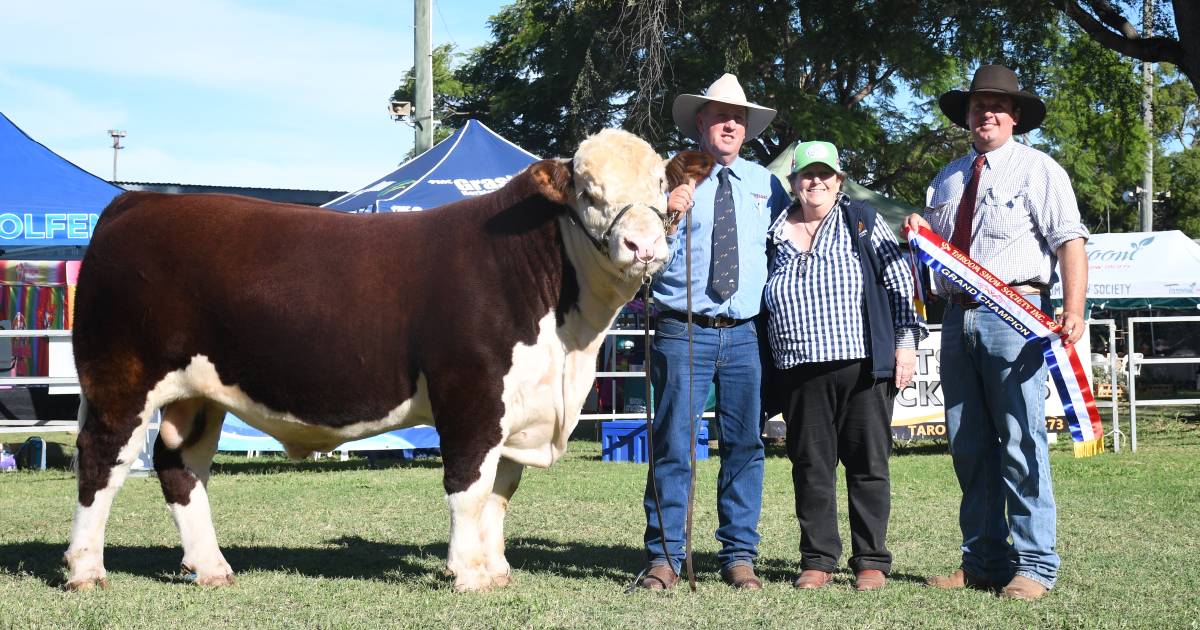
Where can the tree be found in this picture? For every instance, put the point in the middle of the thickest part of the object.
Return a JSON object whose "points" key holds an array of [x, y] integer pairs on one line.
{"points": [[1178, 45], [1176, 115], [1093, 127], [864, 76], [1181, 211]]}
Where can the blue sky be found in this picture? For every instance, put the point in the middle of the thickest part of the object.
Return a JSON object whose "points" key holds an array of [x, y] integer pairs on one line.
{"points": [[277, 94]]}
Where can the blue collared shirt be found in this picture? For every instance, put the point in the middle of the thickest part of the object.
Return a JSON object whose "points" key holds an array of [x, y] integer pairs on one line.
{"points": [[759, 198]]}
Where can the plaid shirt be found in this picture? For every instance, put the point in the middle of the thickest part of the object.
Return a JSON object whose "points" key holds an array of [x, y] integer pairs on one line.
{"points": [[815, 299], [1025, 210]]}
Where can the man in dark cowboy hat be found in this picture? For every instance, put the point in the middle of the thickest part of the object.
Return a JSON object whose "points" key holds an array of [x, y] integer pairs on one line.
{"points": [[1011, 207], [734, 207]]}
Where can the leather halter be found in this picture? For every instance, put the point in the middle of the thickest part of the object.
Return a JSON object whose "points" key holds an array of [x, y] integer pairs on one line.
{"points": [[602, 243]]}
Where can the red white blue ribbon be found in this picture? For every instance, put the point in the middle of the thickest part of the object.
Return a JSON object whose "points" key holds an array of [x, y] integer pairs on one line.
{"points": [[1066, 371]]}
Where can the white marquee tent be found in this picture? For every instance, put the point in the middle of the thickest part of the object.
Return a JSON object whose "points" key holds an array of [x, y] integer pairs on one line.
{"points": [[1142, 270]]}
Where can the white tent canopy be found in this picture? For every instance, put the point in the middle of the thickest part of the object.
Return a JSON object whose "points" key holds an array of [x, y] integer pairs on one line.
{"points": [[1141, 270]]}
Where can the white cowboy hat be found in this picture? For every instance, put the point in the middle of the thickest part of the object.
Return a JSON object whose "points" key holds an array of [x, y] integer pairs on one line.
{"points": [[724, 90]]}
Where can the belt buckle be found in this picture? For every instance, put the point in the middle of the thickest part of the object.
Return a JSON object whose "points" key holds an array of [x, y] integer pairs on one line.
{"points": [[963, 300], [722, 321]]}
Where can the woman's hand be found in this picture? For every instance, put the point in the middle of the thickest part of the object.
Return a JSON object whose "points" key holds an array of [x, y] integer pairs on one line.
{"points": [[906, 364]]}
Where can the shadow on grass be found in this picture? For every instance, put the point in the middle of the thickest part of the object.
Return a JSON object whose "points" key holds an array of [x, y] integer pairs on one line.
{"points": [[267, 466], [354, 557], [920, 447], [351, 557]]}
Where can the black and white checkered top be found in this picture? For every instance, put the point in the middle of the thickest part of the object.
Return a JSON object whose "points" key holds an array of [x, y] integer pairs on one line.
{"points": [[815, 298]]}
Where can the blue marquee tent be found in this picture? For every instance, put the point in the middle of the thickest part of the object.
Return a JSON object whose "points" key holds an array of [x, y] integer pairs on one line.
{"points": [[45, 201], [473, 161], [236, 435]]}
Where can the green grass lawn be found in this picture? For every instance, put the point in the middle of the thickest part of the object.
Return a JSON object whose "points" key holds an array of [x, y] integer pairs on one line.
{"points": [[338, 544]]}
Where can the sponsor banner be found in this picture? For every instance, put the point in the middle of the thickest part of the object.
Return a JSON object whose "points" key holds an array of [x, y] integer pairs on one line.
{"points": [[47, 228]]}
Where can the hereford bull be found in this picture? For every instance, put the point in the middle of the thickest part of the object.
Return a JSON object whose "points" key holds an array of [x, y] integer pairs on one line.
{"points": [[483, 318]]}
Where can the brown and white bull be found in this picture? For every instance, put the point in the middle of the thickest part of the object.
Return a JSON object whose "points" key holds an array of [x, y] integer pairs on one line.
{"points": [[483, 317]]}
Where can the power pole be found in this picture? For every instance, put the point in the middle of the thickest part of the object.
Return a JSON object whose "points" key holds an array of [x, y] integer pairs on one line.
{"points": [[1147, 211], [423, 69], [116, 134]]}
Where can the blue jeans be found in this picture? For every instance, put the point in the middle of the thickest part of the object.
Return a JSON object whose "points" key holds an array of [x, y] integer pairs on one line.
{"points": [[730, 356], [995, 388]]}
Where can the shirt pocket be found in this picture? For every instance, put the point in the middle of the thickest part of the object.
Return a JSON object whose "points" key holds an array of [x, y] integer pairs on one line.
{"points": [[939, 211], [1002, 212]]}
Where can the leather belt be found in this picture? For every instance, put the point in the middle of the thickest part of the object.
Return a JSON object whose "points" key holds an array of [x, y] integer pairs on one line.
{"points": [[705, 321], [967, 302]]}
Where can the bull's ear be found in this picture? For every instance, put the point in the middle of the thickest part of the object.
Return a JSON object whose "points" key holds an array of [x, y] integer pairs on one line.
{"points": [[553, 179], [688, 165]]}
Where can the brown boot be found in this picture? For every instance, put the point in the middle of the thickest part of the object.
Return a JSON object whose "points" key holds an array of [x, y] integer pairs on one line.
{"points": [[1024, 588], [959, 579], [660, 577], [741, 576], [812, 578], [869, 580]]}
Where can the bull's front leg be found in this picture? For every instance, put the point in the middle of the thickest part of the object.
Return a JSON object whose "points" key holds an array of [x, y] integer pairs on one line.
{"points": [[508, 476], [467, 559]]}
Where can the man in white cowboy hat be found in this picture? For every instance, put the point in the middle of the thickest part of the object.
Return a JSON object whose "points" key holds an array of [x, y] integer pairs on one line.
{"points": [[1012, 209], [734, 207]]}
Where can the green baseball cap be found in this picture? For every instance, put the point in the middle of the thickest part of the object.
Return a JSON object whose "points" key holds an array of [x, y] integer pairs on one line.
{"points": [[815, 151]]}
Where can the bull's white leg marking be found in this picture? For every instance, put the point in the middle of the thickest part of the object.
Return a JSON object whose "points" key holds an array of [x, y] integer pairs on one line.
{"points": [[508, 476], [85, 554], [201, 553], [467, 557]]}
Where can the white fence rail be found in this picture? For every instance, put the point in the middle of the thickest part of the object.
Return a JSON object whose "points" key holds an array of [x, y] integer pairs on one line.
{"points": [[62, 379], [1136, 361]]}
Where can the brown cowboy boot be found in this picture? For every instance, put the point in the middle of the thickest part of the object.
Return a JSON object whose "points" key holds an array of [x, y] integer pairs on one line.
{"points": [[869, 580], [660, 577], [960, 579], [1024, 588], [812, 578], [741, 576]]}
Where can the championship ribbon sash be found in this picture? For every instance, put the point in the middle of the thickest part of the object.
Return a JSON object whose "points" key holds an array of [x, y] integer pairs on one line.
{"points": [[1066, 371]]}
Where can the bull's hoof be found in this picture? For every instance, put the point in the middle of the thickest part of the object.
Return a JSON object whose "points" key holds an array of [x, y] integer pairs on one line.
{"points": [[502, 580], [473, 582], [215, 580], [481, 582], [465, 586], [221, 575], [83, 585]]}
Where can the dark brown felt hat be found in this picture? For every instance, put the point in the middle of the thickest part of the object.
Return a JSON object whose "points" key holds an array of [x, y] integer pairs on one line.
{"points": [[997, 80]]}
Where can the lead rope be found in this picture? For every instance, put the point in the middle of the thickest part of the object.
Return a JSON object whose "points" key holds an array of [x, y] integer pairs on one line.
{"points": [[650, 422], [662, 530], [687, 533]]}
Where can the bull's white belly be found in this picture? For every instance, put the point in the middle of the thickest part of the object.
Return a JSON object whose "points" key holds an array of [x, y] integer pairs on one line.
{"points": [[200, 380], [543, 393]]}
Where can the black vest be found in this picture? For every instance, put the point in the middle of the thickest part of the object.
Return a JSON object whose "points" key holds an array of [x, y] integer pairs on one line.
{"points": [[877, 311]]}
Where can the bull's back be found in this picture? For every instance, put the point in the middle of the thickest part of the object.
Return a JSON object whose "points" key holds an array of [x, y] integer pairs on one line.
{"points": [[289, 303]]}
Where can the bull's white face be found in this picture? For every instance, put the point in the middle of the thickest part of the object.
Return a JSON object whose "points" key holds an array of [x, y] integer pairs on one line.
{"points": [[615, 169]]}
